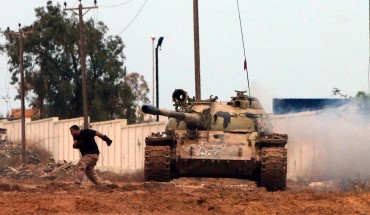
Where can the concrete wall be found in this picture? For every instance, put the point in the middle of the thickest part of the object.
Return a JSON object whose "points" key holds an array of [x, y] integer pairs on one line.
{"points": [[126, 154], [318, 144]]}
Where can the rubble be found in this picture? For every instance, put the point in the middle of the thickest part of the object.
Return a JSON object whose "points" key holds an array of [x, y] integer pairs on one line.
{"points": [[10, 164], [14, 150], [3, 136]]}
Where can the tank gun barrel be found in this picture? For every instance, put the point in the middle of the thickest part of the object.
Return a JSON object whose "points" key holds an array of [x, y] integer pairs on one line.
{"points": [[163, 112], [192, 120]]}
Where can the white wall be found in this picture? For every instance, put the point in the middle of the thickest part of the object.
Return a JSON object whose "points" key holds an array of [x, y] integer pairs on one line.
{"points": [[319, 145], [126, 154]]}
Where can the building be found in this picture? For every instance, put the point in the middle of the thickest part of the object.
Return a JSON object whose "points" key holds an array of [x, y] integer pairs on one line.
{"points": [[295, 105], [29, 113]]}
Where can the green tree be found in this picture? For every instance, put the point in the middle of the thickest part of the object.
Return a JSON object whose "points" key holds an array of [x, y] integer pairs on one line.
{"points": [[53, 72], [362, 94], [363, 102]]}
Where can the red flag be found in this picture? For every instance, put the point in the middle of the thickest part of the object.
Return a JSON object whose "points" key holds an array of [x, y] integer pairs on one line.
{"points": [[245, 64]]}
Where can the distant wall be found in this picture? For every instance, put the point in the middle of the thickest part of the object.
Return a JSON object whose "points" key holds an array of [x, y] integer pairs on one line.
{"points": [[126, 154], [320, 144]]}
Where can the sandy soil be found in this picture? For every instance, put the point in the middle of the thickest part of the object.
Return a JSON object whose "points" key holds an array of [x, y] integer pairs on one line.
{"points": [[181, 196]]}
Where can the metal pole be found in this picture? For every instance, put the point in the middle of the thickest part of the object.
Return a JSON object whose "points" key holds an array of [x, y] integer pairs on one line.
{"points": [[156, 80], [83, 67], [153, 67], [22, 98], [196, 50], [159, 44]]}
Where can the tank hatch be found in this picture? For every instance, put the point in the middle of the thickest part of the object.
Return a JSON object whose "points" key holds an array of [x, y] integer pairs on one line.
{"points": [[243, 101]]}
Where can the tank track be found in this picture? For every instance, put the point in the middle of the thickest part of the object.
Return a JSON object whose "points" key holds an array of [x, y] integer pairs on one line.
{"points": [[274, 140], [273, 168], [157, 163]]}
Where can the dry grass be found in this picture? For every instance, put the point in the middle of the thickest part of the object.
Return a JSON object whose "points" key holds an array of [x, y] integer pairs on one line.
{"points": [[354, 185], [42, 154], [6, 162], [350, 184]]}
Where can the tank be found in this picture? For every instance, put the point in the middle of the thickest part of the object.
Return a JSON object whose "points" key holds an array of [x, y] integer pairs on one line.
{"points": [[208, 138]]}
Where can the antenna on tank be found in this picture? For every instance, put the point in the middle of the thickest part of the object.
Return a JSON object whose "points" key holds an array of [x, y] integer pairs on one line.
{"points": [[245, 58]]}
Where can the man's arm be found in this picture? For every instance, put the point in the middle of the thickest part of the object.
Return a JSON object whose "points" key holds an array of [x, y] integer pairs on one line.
{"points": [[99, 134], [77, 144], [104, 137]]}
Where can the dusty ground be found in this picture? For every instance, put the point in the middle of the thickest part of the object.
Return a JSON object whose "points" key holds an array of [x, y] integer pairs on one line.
{"points": [[46, 187], [181, 196]]}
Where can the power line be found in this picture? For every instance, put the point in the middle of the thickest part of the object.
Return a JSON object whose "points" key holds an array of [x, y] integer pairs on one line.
{"points": [[96, 17], [368, 76], [116, 5], [74, 4], [7, 88], [7, 84], [137, 14]]}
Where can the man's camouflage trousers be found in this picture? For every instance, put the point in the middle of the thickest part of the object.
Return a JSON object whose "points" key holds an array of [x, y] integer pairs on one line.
{"points": [[86, 166]]}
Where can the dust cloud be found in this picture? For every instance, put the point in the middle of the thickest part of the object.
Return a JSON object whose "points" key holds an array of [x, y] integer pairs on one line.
{"points": [[332, 144]]}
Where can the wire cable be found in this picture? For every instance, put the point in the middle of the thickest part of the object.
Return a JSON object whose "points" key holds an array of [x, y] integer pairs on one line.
{"points": [[97, 14], [7, 94], [116, 5], [368, 76], [137, 14], [7, 88], [74, 3], [368, 64], [245, 57]]}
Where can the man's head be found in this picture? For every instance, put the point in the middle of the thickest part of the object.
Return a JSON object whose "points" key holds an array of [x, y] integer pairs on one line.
{"points": [[75, 130]]}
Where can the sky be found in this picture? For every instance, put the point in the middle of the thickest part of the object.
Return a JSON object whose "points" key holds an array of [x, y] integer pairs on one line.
{"points": [[294, 48]]}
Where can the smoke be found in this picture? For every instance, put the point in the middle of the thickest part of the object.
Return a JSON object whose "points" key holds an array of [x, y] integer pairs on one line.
{"points": [[263, 95], [332, 144]]}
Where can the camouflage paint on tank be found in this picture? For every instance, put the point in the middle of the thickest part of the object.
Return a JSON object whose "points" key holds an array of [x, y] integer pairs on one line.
{"points": [[212, 138]]}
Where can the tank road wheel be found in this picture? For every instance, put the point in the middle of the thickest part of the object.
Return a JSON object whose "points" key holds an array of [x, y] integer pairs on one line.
{"points": [[273, 168], [157, 163]]}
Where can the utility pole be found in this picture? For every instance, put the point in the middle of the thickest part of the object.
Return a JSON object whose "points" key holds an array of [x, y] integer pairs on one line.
{"points": [[82, 56], [21, 34], [196, 50]]}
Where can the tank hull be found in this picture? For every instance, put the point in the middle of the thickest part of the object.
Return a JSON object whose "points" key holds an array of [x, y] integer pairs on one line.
{"points": [[217, 154], [216, 168]]}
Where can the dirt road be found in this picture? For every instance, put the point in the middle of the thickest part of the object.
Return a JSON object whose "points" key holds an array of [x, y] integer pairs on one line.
{"points": [[181, 196]]}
